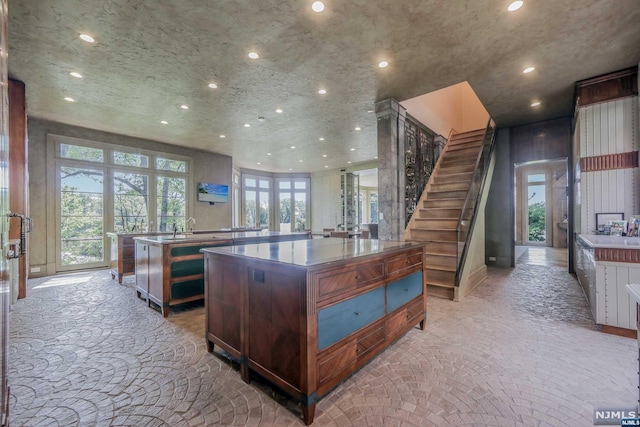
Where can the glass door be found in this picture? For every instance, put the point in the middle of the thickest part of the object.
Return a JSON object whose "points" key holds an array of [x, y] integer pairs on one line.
{"points": [[81, 227], [536, 208]]}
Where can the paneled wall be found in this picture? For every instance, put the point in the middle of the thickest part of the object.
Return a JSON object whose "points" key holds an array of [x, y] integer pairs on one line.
{"points": [[607, 134]]}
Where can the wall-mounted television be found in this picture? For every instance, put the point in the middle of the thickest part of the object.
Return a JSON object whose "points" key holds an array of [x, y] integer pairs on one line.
{"points": [[213, 193]]}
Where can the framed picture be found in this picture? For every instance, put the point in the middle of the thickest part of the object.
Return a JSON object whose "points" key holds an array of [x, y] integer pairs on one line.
{"points": [[603, 219]]}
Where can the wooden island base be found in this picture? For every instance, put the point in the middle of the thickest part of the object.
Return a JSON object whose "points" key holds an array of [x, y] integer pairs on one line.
{"points": [[306, 315]]}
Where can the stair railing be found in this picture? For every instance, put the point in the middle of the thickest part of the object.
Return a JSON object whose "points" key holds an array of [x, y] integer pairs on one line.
{"points": [[468, 214]]}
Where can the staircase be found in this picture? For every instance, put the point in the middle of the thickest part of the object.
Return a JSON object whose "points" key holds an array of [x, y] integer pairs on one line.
{"points": [[436, 218]]}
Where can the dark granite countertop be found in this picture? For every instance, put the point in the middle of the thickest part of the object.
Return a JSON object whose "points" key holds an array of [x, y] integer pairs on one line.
{"points": [[236, 237], [307, 253]]}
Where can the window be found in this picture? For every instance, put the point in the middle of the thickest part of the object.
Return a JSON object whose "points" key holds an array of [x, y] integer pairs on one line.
{"points": [[257, 194], [293, 204], [105, 187]]}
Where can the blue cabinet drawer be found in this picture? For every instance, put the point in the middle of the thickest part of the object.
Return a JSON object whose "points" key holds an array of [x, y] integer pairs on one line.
{"points": [[338, 321], [403, 290]]}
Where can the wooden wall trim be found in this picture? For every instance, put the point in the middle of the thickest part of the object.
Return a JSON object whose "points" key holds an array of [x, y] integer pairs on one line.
{"points": [[618, 255], [607, 87], [605, 162]]}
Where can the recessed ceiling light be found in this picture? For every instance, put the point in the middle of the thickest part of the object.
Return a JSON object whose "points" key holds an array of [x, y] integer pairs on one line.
{"points": [[324, 155], [213, 85], [322, 91], [515, 5], [164, 122], [358, 128], [326, 166], [317, 6], [528, 70], [300, 161], [268, 154], [321, 139], [247, 125], [259, 163], [76, 74], [222, 136], [87, 38], [290, 169], [279, 110], [383, 64], [293, 146], [535, 104], [353, 149], [253, 55], [184, 107], [68, 98], [369, 111], [349, 162], [375, 157]]}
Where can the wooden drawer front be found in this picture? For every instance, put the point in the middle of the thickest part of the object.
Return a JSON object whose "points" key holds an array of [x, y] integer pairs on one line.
{"points": [[338, 281], [406, 317], [340, 320], [129, 251], [370, 341], [399, 264], [403, 290], [334, 364]]}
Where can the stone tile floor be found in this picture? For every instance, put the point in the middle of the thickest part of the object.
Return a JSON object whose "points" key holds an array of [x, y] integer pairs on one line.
{"points": [[521, 350]]}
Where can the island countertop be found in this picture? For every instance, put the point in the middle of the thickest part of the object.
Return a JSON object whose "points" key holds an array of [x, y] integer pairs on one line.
{"points": [[238, 237], [312, 252]]}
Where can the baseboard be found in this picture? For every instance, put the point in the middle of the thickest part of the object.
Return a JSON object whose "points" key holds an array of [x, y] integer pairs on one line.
{"points": [[621, 332], [474, 279]]}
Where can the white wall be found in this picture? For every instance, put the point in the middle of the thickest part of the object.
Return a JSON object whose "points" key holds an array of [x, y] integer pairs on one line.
{"points": [[455, 107], [608, 128]]}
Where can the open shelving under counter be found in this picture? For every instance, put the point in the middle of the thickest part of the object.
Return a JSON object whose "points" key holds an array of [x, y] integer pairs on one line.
{"points": [[307, 314]]}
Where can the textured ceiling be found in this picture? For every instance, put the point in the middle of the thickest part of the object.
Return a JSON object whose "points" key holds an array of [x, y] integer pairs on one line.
{"points": [[150, 57]]}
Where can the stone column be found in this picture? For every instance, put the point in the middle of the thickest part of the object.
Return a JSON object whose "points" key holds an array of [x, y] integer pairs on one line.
{"points": [[391, 169]]}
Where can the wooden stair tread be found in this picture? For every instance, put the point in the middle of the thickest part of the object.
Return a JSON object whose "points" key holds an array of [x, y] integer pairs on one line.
{"points": [[440, 284], [440, 268]]}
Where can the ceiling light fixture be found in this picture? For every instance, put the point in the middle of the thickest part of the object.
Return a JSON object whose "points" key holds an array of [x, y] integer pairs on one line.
{"points": [[68, 98], [290, 169], [528, 70], [261, 119], [76, 74], [247, 125], [268, 154], [369, 111], [349, 162], [317, 6], [300, 161], [87, 38], [259, 163], [293, 147], [184, 107], [164, 122], [253, 55], [324, 155], [515, 5], [213, 85], [322, 91], [321, 139], [279, 110], [383, 64], [535, 104], [358, 128], [353, 149], [222, 136], [326, 166]]}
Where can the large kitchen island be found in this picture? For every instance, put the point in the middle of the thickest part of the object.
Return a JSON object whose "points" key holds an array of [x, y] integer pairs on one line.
{"points": [[306, 314], [169, 269]]}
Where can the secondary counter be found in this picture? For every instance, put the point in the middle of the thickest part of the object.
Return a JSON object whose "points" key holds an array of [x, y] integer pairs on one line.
{"points": [[169, 270], [306, 314], [122, 254], [604, 266]]}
